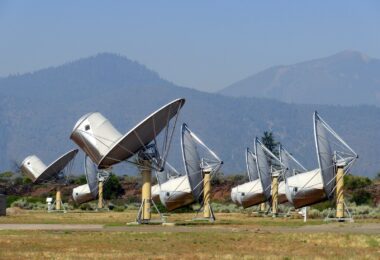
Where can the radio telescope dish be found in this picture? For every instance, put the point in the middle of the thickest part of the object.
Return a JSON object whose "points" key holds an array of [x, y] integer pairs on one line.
{"points": [[162, 177], [38, 172], [89, 191], [260, 171], [83, 194], [263, 168], [333, 152], [325, 155], [249, 193], [199, 160], [291, 167], [56, 172], [106, 146], [250, 159]]}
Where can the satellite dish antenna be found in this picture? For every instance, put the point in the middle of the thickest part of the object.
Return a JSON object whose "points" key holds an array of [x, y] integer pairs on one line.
{"points": [[323, 183], [201, 163], [94, 186], [250, 193], [291, 167], [104, 144], [56, 172], [162, 177], [270, 169], [263, 182]]}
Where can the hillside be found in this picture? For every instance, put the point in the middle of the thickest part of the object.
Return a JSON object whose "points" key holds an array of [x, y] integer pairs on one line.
{"points": [[346, 78], [38, 111]]}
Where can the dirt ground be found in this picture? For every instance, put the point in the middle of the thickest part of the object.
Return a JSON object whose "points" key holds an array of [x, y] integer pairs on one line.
{"points": [[41, 235]]}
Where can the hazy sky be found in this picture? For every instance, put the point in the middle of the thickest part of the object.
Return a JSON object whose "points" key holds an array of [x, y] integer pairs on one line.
{"points": [[200, 44]]}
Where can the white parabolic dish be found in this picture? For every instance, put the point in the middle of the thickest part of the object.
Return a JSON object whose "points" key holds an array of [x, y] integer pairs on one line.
{"points": [[41, 174], [122, 148]]}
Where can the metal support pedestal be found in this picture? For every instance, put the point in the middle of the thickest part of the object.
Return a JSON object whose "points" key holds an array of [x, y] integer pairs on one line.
{"points": [[341, 206], [208, 213], [144, 213], [274, 195]]}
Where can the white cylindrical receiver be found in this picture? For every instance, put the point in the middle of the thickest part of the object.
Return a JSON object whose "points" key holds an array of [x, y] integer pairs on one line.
{"points": [[33, 167], [82, 194], [95, 135]]}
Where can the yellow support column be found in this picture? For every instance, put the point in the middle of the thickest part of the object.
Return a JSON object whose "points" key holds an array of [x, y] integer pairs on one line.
{"points": [[262, 207], [339, 193], [58, 199], [274, 195], [146, 195], [100, 195], [206, 194]]}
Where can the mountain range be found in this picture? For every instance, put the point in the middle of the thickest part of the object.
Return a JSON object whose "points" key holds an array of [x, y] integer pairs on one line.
{"points": [[346, 78], [38, 111]]}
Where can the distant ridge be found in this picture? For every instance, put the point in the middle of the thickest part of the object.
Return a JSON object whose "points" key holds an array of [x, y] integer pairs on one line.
{"points": [[346, 78], [38, 111]]}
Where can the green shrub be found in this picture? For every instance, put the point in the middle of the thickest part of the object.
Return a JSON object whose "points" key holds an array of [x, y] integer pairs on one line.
{"points": [[352, 182], [11, 199], [323, 205], [23, 203], [314, 213], [361, 197], [225, 208], [86, 206], [113, 188]]}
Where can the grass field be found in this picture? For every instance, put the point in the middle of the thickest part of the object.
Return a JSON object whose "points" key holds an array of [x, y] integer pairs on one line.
{"points": [[232, 236]]}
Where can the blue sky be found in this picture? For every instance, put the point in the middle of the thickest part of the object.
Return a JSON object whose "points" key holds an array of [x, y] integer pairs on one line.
{"points": [[200, 44]]}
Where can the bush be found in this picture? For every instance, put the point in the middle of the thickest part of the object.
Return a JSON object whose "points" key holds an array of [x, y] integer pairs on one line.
{"points": [[314, 213], [11, 199], [86, 206], [226, 208], [25, 204], [323, 205], [362, 197], [352, 182], [80, 180], [113, 188]]}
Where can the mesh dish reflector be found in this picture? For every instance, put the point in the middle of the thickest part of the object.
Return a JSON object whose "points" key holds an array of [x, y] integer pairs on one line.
{"points": [[286, 161], [34, 167], [169, 172], [290, 164], [325, 156], [263, 169], [192, 163], [91, 173], [250, 159]]}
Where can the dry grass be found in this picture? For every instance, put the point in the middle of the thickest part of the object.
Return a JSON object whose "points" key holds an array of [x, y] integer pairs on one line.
{"points": [[63, 245], [246, 242], [121, 218]]}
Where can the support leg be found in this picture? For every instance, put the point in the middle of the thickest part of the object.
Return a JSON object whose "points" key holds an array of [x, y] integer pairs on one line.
{"points": [[339, 193], [100, 195], [274, 196], [206, 195], [58, 199]]}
